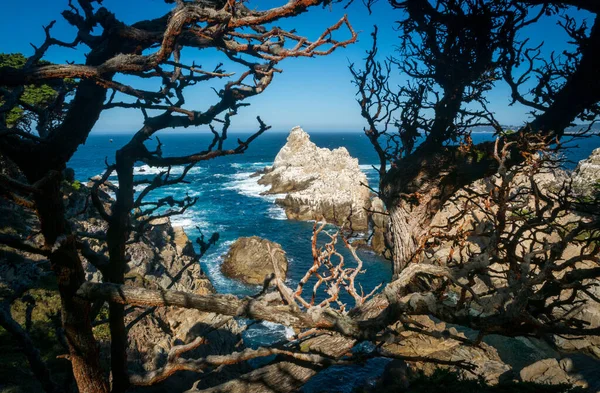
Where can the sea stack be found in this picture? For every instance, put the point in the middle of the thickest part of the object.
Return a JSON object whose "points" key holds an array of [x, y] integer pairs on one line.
{"points": [[319, 183]]}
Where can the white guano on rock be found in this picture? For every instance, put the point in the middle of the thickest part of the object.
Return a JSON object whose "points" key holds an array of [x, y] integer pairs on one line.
{"points": [[319, 183]]}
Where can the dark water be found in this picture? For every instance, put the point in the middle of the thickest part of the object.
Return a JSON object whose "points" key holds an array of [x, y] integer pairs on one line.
{"points": [[230, 203]]}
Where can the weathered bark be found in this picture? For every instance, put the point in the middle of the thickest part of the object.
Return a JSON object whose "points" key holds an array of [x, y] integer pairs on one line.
{"points": [[407, 225], [416, 189], [83, 350], [117, 235], [220, 304], [364, 322], [75, 312], [118, 48], [435, 170]]}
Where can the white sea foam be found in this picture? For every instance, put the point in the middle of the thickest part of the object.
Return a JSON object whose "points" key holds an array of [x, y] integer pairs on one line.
{"points": [[277, 328], [276, 212], [250, 165], [367, 167], [144, 170], [246, 185], [185, 222], [192, 219]]}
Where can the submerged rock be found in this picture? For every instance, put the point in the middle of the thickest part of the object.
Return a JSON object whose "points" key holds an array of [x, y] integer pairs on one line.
{"points": [[248, 260], [320, 183]]}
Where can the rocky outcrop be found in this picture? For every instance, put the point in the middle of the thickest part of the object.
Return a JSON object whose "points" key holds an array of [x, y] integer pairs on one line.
{"points": [[319, 183], [586, 177], [488, 364], [248, 260], [552, 372], [163, 258]]}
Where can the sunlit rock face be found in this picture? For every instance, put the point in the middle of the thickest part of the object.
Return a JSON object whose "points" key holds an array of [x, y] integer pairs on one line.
{"points": [[318, 182], [164, 258], [586, 177], [249, 260]]}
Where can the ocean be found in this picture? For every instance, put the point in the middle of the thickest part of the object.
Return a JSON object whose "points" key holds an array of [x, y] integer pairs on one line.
{"points": [[230, 203]]}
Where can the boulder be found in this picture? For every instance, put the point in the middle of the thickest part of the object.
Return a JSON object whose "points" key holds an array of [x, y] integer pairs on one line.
{"points": [[248, 260], [319, 183], [552, 372]]}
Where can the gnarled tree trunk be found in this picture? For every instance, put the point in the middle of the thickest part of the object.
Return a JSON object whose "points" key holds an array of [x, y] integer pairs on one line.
{"points": [[407, 225], [75, 312]]}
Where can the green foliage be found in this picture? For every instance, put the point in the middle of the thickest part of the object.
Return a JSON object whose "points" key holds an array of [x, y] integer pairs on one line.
{"points": [[596, 189], [523, 213], [15, 375], [75, 186], [102, 331], [14, 60], [39, 96], [480, 154]]}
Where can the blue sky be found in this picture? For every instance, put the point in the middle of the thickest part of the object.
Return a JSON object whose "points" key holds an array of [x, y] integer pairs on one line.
{"points": [[315, 93]]}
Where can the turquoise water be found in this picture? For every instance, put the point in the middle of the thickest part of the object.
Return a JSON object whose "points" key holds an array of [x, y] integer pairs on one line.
{"points": [[230, 203]]}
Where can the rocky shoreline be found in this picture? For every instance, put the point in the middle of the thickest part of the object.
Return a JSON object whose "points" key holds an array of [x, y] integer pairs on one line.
{"points": [[165, 258]]}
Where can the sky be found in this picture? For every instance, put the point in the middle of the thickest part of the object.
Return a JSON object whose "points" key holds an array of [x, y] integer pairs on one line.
{"points": [[315, 93]]}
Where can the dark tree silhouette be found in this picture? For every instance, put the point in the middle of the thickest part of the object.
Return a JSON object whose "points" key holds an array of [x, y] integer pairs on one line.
{"points": [[455, 51], [146, 50], [515, 285]]}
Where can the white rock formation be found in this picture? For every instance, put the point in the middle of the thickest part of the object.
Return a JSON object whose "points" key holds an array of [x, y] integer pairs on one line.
{"points": [[587, 173], [319, 183]]}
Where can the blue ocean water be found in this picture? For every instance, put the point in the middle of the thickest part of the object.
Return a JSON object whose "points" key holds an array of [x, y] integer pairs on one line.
{"points": [[229, 202]]}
